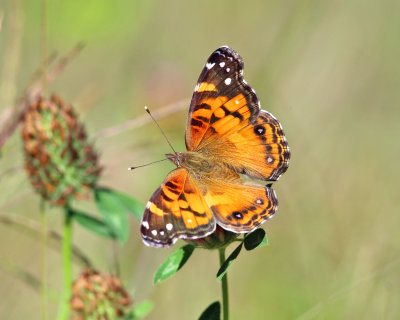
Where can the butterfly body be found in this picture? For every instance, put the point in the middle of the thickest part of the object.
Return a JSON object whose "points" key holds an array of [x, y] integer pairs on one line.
{"points": [[192, 161], [227, 134]]}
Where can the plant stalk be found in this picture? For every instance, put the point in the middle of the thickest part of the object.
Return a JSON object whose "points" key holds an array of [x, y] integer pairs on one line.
{"points": [[224, 286], [67, 265], [42, 205], [43, 260]]}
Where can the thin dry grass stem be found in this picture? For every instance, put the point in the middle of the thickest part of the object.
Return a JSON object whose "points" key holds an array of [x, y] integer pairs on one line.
{"points": [[9, 112], [313, 311], [19, 197], [12, 53], [38, 75], [10, 268], [141, 120], [1, 20], [10, 171], [34, 227], [32, 92]]}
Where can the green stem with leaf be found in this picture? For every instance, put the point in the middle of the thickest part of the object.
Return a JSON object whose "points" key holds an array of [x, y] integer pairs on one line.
{"points": [[67, 264], [224, 286]]}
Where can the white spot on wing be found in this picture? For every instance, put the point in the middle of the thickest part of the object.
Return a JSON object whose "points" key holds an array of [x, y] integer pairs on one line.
{"points": [[270, 159], [210, 65], [222, 64], [169, 226], [189, 220], [228, 81], [162, 233], [154, 232], [148, 205], [196, 88], [228, 69], [145, 224], [237, 101]]}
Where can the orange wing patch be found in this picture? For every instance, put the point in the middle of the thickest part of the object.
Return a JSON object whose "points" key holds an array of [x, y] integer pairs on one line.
{"points": [[252, 206], [222, 102], [176, 210], [204, 86], [259, 150], [216, 117]]}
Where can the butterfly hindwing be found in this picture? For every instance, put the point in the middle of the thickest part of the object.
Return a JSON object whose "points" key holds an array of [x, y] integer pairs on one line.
{"points": [[176, 210], [222, 101], [252, 206]]}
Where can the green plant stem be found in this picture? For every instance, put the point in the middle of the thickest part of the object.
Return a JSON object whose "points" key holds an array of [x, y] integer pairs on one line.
{"points": [[67, 265], [43, 260], [115, 257], [44, 45], [42, 205], [224, 286]]}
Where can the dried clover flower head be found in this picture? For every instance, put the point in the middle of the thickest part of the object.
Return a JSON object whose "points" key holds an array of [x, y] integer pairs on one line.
{"points": [[60, 162], [97, 295]]}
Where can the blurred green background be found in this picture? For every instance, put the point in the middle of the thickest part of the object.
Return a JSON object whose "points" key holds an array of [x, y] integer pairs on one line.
{"points": [[327, 69]]}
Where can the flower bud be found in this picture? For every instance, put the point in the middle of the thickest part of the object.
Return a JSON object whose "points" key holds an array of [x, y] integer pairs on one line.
{"points": [[97, 295], [60, 162]]}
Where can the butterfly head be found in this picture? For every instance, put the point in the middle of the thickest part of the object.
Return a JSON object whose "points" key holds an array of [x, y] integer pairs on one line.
{"points": [[177, 158]]}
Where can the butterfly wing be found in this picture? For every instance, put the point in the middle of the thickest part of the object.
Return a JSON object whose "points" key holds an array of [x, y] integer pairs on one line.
{"points": [[253, 205], [226, 124], [176, 210], [225, 121], [222, 101], [258, 150]]}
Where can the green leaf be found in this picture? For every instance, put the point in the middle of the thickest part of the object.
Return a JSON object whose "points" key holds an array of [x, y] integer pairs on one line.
{"points": [[93, 224], [213, 312], [133, 206], [173, 263], [113, 212], [224, 268], [255, 239], [142, 309]]}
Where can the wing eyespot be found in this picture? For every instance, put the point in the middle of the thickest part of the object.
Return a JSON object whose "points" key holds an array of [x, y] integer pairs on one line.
{"points": [[259, 201], [259, 130], [237, 215]]}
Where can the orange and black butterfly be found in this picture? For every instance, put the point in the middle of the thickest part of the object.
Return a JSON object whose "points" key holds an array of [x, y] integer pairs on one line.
{"points": [[227, 134]]}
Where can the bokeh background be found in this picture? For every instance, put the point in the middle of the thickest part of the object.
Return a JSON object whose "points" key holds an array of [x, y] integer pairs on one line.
{"points": [[327, 69]]}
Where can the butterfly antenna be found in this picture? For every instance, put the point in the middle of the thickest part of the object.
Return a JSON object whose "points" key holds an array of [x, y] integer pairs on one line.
{"points": [[147, 164], [148, 111]]}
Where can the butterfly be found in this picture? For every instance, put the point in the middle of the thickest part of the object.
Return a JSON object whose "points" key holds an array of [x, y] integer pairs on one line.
{"points": [[227, 135]]}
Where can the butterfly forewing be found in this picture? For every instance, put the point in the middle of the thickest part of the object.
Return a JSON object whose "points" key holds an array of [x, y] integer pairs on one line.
{"points": [[222, 101], [258, 150], [176, 210]]}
